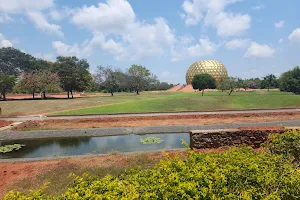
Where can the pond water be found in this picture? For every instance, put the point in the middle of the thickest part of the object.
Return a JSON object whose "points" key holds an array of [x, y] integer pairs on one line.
{"points": [[92, 145]]}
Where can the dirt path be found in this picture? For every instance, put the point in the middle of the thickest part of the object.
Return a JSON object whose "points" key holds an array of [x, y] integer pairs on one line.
{"points": [[110, 122]]}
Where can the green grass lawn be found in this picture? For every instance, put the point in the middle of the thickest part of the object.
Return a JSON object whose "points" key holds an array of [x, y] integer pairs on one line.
{"points": [[194, 101], [29, 107]]}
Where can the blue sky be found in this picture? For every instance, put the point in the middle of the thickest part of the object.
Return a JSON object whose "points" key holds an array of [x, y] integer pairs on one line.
{"points": [[252, 38]]}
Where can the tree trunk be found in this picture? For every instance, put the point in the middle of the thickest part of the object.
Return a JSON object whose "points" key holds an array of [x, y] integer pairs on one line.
{"points": [[44, 95], [137, 92], [68, 94], [202, 92], [230, 92], [269, 89], [33, 93], [112, 93], [72, 94], [4, 96]]}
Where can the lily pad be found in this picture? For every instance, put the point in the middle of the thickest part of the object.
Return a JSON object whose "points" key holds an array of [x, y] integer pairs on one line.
{"points": [[151, 140], [10, 148]]}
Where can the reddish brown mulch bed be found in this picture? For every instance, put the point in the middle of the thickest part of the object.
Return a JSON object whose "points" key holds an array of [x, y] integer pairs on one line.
{"points": [[37, 124], [4, 123]]}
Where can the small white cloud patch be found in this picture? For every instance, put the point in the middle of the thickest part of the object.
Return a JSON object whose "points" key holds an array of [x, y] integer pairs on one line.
{"points": [[259, 50]]}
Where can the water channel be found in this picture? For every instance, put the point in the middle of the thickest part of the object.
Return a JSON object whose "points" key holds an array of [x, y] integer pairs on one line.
{"points": [[39, 148]]}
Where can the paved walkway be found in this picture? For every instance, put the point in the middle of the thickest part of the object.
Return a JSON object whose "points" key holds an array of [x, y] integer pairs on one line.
{"points": [[26, 118], [14, 135]]}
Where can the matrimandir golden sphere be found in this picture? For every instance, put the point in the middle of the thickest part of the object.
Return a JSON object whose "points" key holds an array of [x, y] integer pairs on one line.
{"points": [[212, 67]]}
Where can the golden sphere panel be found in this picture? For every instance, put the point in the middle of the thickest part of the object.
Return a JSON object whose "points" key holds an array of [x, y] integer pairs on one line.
{"points": [[212, 67]]}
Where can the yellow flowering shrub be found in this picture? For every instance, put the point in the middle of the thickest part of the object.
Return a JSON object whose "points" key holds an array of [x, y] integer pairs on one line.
{"points": [[239, 173]]}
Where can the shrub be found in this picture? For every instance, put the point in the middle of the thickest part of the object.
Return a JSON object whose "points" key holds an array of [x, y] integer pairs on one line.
{"points": [[287, 144], [233, 174]]}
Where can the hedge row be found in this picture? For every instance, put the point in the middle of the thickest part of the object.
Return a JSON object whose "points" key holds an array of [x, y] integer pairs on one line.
{"points": [[239, 173]]}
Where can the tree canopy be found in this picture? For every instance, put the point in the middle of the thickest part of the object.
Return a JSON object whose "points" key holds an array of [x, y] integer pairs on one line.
{"points": [[203, 81], [73, 74], [290, 81], [139, 77]]}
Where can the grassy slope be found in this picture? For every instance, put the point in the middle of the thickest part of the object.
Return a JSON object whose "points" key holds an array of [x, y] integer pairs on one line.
{"points": [[27, 107], [194, 101]]}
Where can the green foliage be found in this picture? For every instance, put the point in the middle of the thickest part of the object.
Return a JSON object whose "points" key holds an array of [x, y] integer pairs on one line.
{"points": [[73, 73], [233, 174], [39, 81], [6, 84], [290, 81], [10, 148], [151, 140], [139, 77], [287, 144], [269, 81], [203, 81], [13, 61]]}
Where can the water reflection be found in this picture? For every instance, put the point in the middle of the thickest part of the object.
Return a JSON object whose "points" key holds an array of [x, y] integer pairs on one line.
{"points": [[92, 145]]}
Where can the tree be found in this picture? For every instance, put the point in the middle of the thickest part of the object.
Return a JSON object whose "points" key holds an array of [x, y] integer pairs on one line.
{"points": [[39, 81], [269, 81], [73, 74], [222, 84], [242, 83], [6, 84], [203, 81], [139, 77], [290, 81], [109, 77], [231, 84], [29, 81], [48, 82]]}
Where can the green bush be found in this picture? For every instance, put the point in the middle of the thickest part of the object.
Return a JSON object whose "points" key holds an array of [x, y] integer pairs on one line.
{"points": [[233, 174], [287, 144]]}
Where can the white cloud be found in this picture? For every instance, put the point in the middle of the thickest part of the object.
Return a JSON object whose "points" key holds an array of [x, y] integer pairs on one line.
{"points": [[117, 31], [237, 44], [41, 23], [4, 42], [20, 6], [63, 49], [280, 41], [4, 18], [212, 11], [34, 10], [295, 36], [45, 56], [186, 39], [111, 17], [55, 15], [229, 24], [259, 50], [205, 47], [279, 24]]}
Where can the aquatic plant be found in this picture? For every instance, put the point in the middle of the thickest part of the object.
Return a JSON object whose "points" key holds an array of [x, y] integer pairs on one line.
{"points": [[10, 148], [151, 140]]}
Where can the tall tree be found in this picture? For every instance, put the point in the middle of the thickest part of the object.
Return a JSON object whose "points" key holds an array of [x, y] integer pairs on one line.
{"points": [[290, 81], [39, 81], [6, 84], [73, 74], [30, 82], [270, 81], [139, 77], [109, 77], [48, 82], [203, 81]]}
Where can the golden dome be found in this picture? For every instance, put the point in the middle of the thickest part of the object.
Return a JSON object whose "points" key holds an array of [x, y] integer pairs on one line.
{"points": [[212, 67]]}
